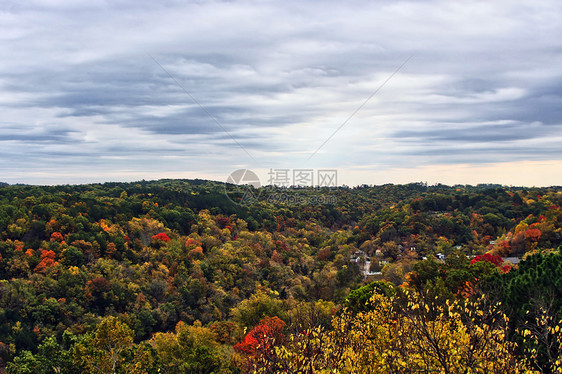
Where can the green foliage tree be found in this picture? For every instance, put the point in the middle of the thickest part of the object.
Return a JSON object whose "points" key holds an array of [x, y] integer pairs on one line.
{"points": [[358, 299], [532, 297], [51, 358]]}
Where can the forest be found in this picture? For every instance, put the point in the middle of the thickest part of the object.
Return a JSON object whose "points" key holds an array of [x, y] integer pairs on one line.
{"points": [[172, 276]]}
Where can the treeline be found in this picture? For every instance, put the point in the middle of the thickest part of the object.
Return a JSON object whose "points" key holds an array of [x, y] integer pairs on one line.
{"points": [[171, 275]]}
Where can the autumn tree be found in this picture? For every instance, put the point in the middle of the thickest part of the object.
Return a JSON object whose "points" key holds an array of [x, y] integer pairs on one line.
{"points": [[110, 350], [406, 333], [145, 228], [531, 296], [47, 261], [258, 346], [251, 311], [190, 349]]}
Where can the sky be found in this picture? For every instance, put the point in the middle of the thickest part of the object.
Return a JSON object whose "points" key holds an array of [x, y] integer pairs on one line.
{"points": [[452, 92]]}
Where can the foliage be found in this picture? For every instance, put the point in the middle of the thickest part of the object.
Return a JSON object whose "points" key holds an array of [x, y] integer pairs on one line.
{"points": [[105, 350], [258, 346], [358, 299], [97, 278], [191, 349], [405, 333], [532, 298]]}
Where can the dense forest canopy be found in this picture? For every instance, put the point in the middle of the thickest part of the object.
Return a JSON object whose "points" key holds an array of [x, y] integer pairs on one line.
{"points": [[172, 275]]}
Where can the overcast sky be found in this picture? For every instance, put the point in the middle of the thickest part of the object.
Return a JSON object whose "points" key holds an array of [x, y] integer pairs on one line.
{"points": [[94, 91]]}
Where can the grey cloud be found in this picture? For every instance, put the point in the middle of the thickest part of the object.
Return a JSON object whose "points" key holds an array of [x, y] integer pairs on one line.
{"points": [[488, 133], [484, 84]]}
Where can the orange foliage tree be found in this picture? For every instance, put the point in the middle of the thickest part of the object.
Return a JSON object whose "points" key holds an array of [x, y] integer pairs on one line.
{"points": [[47, 261], [57, 237], [533, 234]]}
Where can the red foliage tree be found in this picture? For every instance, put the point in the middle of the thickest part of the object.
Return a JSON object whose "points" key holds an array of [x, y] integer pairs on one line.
{"points": [[161, 237], [97, 286], [494, 259], [261, 340], [222, 221]]}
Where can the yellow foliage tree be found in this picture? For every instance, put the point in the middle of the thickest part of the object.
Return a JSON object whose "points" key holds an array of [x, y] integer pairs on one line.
{"points": [[146, 228], [110, 350], [191, 349], [407, 333], [545, 335]]}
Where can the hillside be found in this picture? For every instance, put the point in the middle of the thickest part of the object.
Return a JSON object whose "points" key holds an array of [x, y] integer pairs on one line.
{"points": [[178, 277]]}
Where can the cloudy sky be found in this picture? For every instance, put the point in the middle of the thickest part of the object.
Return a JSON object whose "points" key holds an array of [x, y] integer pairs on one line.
{"points": [[448, 91]]}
